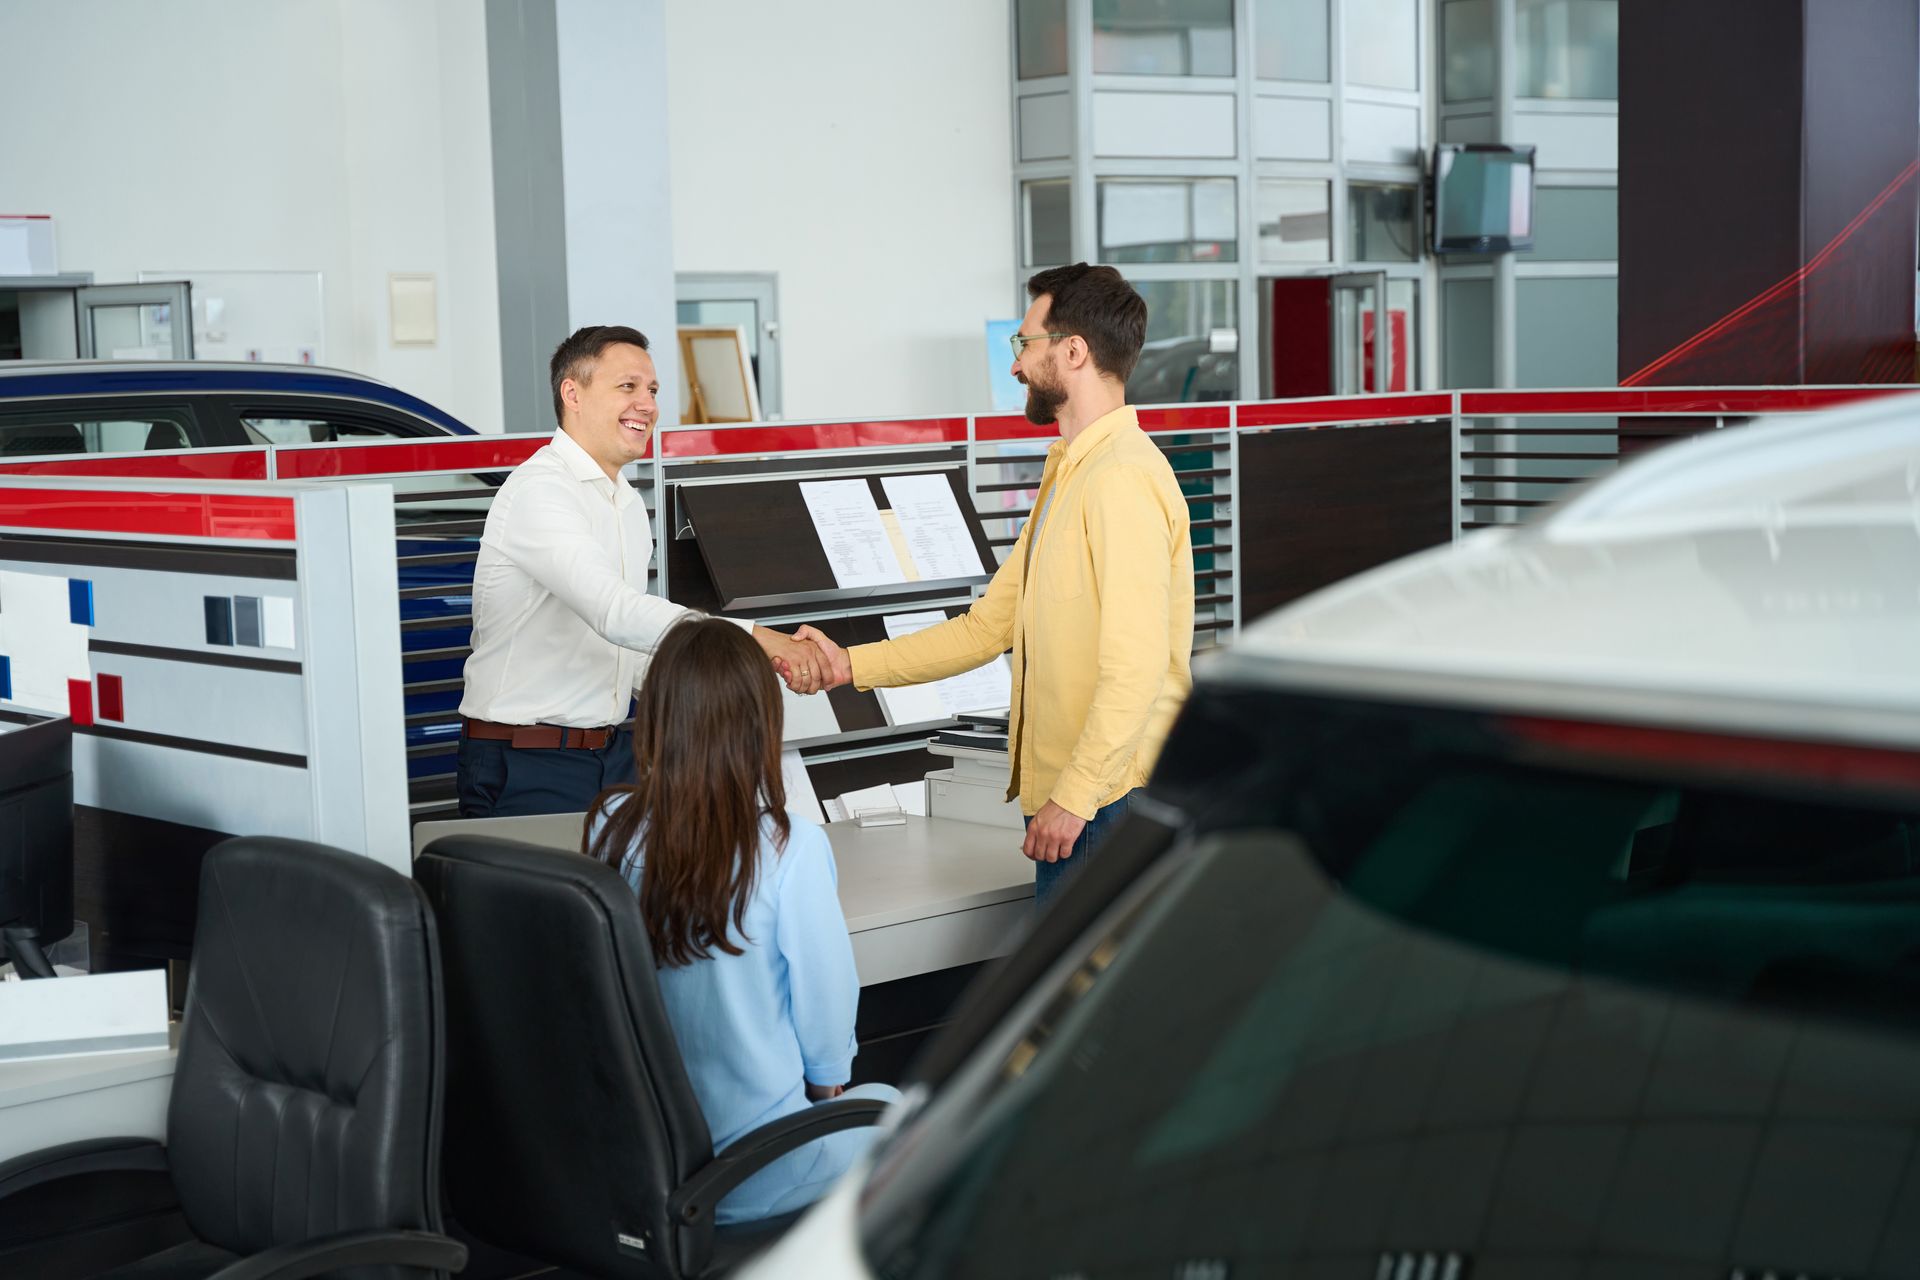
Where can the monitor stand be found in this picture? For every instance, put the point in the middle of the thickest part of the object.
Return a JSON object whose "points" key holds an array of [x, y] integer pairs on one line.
{"points": [[22, 946]]}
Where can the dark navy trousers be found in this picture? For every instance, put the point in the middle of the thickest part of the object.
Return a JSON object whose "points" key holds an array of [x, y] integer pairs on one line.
{"points": [[499, 780]]}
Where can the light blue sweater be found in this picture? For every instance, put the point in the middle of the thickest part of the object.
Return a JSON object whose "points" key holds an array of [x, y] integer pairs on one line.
{"points": [[756, 1028]]}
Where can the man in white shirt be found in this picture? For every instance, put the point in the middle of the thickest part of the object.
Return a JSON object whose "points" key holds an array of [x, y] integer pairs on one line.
{"points": [[562, 621]]}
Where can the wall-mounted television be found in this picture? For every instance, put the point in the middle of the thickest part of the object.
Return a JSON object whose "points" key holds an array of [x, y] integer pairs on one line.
{"points": [[1482, 198]]}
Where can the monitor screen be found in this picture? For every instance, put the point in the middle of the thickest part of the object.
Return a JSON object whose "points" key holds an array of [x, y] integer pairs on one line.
{"points": [[1482, 198], [36, 827]]}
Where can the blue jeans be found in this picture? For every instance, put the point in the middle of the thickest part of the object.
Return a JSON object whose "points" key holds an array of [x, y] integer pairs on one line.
{"points": [[1051, 877], [499, 780]]}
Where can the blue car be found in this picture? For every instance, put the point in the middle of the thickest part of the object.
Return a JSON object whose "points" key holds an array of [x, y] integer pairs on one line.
{"points": [[103, 406]]}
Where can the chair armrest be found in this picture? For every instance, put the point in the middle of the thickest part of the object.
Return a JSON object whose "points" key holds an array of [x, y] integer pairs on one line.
{"points": [[349, 1249], [696, 1197], [95, 1155]]}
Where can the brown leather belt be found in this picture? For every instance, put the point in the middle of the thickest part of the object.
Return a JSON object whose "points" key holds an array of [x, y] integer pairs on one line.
{"points": [[546, 736]]}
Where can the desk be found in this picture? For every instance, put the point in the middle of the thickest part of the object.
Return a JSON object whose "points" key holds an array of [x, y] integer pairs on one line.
{"points": [[929, 895], [108, 1095]]}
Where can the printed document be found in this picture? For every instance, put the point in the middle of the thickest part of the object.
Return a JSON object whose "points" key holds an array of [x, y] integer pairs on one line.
{"points": [[936, 533], [985, 688], [848, 522]]}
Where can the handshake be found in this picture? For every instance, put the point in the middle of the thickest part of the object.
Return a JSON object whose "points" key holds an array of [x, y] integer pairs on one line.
{"points": [[806, 660]]}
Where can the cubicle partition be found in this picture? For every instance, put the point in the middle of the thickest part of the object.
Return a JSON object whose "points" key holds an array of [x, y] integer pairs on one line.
{"points": [[226, 652], [272, 639]]}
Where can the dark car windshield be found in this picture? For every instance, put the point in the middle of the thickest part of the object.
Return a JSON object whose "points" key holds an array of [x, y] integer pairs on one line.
{"points": [[1435, 1013]]}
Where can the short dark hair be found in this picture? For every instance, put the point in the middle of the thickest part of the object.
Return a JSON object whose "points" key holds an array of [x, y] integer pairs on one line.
{"points": [[1097, 305], [574, 358]]}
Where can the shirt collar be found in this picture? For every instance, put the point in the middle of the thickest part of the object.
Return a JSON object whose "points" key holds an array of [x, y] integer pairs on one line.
{"points": [[581, 466], [1099, 430]]}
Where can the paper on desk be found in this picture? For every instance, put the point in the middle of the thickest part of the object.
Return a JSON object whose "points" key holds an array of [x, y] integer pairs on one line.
{"points": [[835, 813], [848, 522], [807, 716], [936, 533], [801, 799], [985, 688]]}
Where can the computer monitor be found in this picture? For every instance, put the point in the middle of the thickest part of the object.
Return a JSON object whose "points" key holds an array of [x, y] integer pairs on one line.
{"points": [[36, 841], [1482, 198]]}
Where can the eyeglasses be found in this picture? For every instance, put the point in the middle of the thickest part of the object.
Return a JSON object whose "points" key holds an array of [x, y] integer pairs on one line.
{"points": [[1019, 341]]}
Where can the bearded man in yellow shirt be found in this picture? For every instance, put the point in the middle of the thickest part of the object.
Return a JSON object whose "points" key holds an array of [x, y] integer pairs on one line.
{"points": [[1096, 598]]}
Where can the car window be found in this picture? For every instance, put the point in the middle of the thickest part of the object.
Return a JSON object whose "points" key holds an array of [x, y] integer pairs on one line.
{"points": [[275, 429], [27, 432], [1451, 1016]]}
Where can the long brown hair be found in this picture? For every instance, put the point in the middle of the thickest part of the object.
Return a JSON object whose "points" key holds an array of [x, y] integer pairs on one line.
{"points": [[706, 747]]}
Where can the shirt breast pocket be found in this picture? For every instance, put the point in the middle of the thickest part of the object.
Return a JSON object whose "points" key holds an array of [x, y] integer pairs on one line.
{"points": [[1063, 573]]}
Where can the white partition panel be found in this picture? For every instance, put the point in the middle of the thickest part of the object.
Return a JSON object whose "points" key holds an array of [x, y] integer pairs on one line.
{"points": [[229, 654]]}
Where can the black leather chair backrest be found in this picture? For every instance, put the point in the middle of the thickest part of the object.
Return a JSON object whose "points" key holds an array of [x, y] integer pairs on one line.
{"points": [[550, 979], [306, 1098]]}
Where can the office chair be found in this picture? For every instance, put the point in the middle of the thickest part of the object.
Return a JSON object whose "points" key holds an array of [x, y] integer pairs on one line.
{"points": [[573, 1135], [303, 1129]]}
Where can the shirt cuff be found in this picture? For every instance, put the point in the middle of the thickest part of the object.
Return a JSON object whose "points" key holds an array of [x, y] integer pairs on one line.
{"points": [[1079, 796], [870, 667]]}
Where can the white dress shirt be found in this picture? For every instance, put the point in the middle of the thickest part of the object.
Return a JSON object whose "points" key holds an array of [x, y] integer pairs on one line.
{"points": [[562, 622]]}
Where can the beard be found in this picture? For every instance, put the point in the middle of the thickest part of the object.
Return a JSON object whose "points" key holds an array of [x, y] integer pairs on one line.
{"points": [[1043, 403]]}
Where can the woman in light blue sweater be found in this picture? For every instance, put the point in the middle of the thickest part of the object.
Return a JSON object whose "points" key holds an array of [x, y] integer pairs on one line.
{"points": [[739, 902]]}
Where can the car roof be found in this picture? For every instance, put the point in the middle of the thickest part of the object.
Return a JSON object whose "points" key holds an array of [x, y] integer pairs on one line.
{"points": [[1761, 579], [23, 378]]}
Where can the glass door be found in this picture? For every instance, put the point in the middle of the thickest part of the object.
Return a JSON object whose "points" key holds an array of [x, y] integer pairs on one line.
{"points": [[135, 321], [1370, 356]]}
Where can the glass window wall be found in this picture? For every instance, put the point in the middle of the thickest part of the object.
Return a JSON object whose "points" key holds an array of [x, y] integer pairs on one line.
{"points": [[1383, 222], [1168, 220], [1290, 40], [1466, 50], [1192, 342], [1041, 27], [1568, 48], [1049, 221], [1576, 224], [1163, 37], [1296, 220], [1383, 43]]}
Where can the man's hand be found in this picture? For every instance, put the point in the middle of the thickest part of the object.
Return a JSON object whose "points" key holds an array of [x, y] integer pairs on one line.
{"points": [[799, 663], [839, 665], [822, 1092], [1051, 834]]}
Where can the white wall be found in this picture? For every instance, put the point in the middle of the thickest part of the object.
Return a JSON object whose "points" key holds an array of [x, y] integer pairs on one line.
{"points": [[348, 137], [861, 152]]}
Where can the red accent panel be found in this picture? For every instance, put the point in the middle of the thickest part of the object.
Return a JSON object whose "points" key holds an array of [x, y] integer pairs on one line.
{"points": [[801, 438], [196, 464], [381, 458], [111, 706], [1178, 417], [167, 515], [1011, 426], [1188, 417], [1798, 761], [1311, 413], [80, 701], [1716, 400]]}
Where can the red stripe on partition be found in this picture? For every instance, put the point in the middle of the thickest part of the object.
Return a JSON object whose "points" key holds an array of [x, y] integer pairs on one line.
{"points": [[1213, 416], [697, 442], [380, 458], [196, 464], [1634, 400], [246, 516], [1330, 412]]}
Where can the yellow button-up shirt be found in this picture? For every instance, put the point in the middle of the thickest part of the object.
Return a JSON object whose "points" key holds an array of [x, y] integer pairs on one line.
{"points": [[1098, 611]]}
